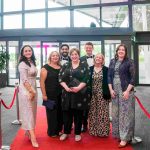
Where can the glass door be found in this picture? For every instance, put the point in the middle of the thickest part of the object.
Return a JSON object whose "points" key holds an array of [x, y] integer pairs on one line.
{"points": [[110, 48], [13, 50], [144, 62]]}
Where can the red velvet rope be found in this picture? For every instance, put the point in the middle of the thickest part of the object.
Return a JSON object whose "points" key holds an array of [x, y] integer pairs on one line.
{"points": [[142, 107], [12, 102]]}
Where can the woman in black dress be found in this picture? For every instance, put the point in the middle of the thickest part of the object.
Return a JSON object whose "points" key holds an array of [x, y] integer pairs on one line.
{"points": [[51, 91], [74, 96]]}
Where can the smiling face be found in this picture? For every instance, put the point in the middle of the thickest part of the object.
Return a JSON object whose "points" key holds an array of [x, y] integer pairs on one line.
{"points": [[121, 52], [74, 56], [27, 52], [54, 57], [64, 51], [88, 49], [99, 59]]}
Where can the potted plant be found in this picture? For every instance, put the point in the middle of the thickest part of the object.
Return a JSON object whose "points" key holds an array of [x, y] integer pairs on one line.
{"points": [[4, 57]]}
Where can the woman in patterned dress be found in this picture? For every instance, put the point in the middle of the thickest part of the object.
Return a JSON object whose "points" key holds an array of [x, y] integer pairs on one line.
{"points": [[121, 76], [74, 100], [28, 92], [99, 107]]}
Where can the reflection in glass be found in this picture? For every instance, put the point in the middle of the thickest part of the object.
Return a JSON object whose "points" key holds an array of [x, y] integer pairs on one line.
{"points": [[85, 2], [59, 19], [35, 20], [13, 63], [110, 48], [34, 4], [58, 3], [96, 44], [144, 62], [84, 17], [141, 21], [115, 16], [9, 22], [12, 5]]}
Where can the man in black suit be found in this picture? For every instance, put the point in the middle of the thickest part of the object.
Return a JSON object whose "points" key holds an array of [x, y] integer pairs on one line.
{"points": [[89, 58], [64, 52]]}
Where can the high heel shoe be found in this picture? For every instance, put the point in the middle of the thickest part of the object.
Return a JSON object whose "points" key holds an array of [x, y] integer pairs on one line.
{"points": [[34, 143]]}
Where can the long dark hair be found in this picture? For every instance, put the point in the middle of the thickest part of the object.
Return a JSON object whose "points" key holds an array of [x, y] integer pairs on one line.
{"points": [[24, 59], [126, 51]]}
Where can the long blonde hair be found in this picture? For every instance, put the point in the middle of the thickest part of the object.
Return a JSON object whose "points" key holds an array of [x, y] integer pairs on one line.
{"points": [[50, 55]]}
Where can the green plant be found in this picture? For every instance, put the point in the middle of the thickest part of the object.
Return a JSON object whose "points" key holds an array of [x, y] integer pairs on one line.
{"points": [[4, 57]]}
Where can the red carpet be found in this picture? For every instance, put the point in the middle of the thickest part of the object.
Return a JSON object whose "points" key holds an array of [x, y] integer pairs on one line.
{"points": [[46, 143]]}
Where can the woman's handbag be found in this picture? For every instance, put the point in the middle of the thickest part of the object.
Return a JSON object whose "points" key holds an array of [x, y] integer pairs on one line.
{"points": [[74, 82]]}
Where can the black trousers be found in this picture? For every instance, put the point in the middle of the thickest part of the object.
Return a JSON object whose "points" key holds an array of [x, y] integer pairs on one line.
{"points": [[70, 116], [54, 121], [85, 118]]}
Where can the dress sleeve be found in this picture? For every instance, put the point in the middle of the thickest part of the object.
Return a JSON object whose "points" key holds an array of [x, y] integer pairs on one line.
{"points": [[23, 70], [132, 72], [86, 69]]}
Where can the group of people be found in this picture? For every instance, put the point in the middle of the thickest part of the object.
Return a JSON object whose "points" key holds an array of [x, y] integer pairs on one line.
{"points": [[78, 91]]}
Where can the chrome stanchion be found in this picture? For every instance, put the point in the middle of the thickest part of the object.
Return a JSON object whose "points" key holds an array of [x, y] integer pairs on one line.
{"points": [[18, 121], [2, 147]]}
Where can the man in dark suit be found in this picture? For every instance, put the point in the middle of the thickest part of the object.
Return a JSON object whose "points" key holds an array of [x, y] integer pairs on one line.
{"points": [[89, 58], [64, 52]]}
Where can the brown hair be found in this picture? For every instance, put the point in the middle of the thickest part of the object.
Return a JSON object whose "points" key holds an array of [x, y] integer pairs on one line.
{"points": [[126, 51], [74, 50], [89, 43]]}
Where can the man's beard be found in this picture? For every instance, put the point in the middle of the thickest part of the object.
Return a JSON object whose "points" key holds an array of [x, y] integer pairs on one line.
{"points": [[64, 54]]}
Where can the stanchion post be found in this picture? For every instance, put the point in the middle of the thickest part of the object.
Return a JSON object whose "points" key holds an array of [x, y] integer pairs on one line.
{"points": [[18, 121], [2, 147]]}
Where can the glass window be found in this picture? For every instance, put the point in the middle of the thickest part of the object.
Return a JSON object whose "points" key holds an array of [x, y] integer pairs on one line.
{"points": [[110, 48], [84, 2], [84, 17], [14, 5], [13, 63], [10, 23], [144, 57], [32, 4], [96, 44], [58, 3], [0, 5], [72, 44], [115, 16], [113, 1], [35, 20], [141, 21], [0, 22], [59, 19], [47, 48]]}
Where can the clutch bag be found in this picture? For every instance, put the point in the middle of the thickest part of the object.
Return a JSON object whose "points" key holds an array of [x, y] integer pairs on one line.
{"points": [[49, 104]]}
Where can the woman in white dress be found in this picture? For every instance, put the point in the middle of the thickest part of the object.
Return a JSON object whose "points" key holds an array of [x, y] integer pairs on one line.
{"points": [[28, 92]]}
